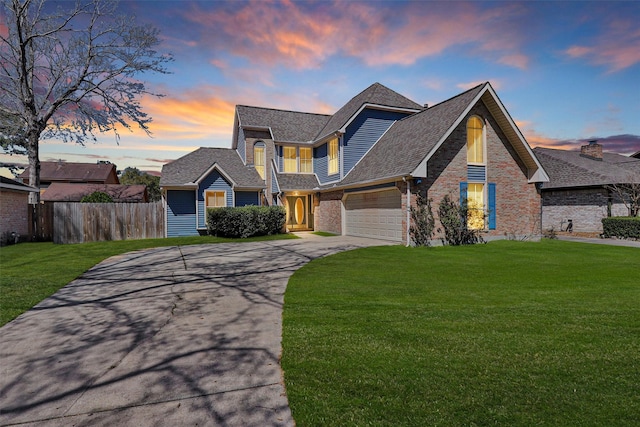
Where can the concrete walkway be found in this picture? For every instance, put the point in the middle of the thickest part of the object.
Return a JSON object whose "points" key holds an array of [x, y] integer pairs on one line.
{"points": [[177, 336]]}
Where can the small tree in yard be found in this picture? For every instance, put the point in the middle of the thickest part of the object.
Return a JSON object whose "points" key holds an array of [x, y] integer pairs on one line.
{"points": [[97, 197], [67, 71], [423, 222], [454, 220], [629, 194]]}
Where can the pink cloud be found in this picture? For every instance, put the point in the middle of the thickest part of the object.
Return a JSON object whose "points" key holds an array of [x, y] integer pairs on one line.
{"points": [[616, 48], [305, 35]]}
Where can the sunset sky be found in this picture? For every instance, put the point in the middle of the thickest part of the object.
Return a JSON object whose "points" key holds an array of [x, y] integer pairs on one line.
{"points": [[567, 71]]}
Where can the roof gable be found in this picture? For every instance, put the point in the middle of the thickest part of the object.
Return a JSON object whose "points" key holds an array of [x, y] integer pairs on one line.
{"points": [[10, 184], [188, 170], [422, 134], [376, 96]]}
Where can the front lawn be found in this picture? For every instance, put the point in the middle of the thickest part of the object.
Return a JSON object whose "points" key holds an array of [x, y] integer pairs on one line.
{"points": [[507, 333], [30, 272]]}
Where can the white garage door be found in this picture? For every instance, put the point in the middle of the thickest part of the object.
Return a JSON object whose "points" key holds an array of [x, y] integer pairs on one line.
{"points": [[377, 215]]}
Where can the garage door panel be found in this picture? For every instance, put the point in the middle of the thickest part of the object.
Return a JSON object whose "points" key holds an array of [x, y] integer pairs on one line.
{"points": [[376, 215]]}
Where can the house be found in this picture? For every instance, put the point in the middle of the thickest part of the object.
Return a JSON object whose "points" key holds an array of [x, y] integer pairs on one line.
{"points": [[71, 192], [579, 190], [357, 171], [86, 173], [14, 209]]}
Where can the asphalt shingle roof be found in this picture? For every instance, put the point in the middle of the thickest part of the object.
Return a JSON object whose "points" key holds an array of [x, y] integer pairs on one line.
{"points": [[375, 94], [297, 181], [570, 169], [74, 192], [286, 126], [189, 168], [74, 172], [409, 140]]}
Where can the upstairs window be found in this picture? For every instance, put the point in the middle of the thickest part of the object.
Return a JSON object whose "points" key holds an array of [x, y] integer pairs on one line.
{"points": [[258, 159], [306, 160], [475, 141], [333, 157], [290, 160]]}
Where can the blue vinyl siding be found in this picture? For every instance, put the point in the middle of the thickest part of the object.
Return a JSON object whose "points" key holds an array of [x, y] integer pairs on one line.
{"points": [[476, 173], [321, 164], [492, 206], [212, 182], [242, 146], [246, 198], [274, 182], [365, 131], [181, 213]]}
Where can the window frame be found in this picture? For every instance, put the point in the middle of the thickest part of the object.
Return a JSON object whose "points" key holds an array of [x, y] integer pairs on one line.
{"points": [[218, 192], [287, 162], [306, 161], [483, 142], [333, 156], [476, 214], [260, 166]]}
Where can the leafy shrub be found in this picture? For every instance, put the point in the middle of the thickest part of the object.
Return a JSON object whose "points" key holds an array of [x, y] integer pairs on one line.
{"points": [[453, 218], [624, 227], [245, 221], [423, 222], [97, 197]]}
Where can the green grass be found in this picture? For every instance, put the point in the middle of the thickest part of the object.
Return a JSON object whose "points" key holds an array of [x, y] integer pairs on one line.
{"points": [[507, 333], [323, 233], [30, 272]]}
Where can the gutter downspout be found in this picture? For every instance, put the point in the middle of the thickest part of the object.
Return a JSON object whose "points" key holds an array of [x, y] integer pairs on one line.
{"points": [[408, 210]]}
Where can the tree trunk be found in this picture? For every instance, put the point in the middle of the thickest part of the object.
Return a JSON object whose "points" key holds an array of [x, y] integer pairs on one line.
{"points": [[33, 153]]}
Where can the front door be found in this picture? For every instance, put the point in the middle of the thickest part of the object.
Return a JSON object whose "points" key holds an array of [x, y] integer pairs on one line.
{"points": [[299, 215]]}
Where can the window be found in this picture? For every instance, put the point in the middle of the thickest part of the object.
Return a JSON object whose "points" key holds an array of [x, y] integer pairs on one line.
{"points": [[258, 159], [290, 160], [306, 160], [216, 199], [475, 140], [475, 206], [333, 156]]}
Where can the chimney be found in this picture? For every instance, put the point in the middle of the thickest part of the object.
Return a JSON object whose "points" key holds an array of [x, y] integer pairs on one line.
{"points": [[592, 151]]}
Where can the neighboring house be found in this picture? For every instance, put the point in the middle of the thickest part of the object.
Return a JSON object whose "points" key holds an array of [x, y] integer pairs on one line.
{"points": [[85, 173], [14, 207], [578, 192], [356, 172], [65, 192], [636, 155]]}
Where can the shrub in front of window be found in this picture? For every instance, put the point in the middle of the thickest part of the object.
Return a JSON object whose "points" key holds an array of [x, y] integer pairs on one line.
{"points": [[624, 227], [245, 221], [97, 197], [454, 220]]}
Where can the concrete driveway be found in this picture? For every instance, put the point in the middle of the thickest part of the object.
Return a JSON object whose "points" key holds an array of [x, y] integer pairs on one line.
{"points": [[176, 336]]}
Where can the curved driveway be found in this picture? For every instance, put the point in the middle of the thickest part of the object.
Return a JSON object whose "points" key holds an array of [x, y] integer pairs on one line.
{"points": [[187, 336]]}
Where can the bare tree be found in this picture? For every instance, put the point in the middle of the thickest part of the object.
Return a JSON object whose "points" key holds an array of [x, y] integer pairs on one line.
{"points": [[629, 194], [69, 72]]}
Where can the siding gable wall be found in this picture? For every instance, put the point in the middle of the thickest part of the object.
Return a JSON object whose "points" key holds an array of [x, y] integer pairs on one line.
{"points": [[214, 181], [365, 131], [242, 145]]}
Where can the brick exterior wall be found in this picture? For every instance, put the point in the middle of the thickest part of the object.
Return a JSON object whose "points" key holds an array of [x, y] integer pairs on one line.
{"points": [[585, 207], [328, 212], [14, 212], [517, 202]]}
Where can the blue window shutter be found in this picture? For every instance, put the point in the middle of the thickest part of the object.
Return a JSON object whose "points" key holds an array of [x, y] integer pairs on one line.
{"points": [[492, 206], [463, 193]]}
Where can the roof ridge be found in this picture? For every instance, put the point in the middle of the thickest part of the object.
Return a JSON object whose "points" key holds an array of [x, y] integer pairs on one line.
{"points": [[282, 110], [573, 165], [457, 96]]}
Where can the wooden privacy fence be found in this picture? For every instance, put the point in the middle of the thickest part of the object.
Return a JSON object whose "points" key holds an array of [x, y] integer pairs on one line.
{"points": [[91, 222]]}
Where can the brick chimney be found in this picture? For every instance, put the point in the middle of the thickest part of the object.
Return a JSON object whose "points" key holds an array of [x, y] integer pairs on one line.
{"points": [[593, 150]]}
